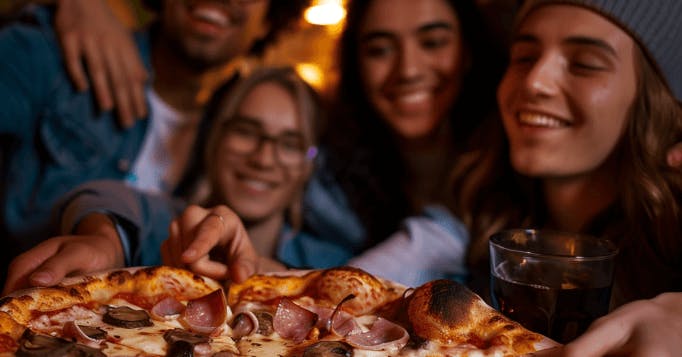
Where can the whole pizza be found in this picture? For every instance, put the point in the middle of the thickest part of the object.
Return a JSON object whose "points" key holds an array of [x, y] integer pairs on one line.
{"points": [[163, 311]]}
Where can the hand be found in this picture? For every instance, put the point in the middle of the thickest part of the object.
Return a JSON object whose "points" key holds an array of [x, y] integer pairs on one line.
{"points": [[200, 236], [641, 328], [52, 260], [90, 33], [675, 156]]}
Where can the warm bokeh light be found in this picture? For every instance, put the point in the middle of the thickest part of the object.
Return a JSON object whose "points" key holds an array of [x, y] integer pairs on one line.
{"points": [[311, 73], [325, 12]]}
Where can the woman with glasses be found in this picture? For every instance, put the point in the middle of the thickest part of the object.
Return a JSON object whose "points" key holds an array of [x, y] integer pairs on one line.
{"points": [[257, 159]]}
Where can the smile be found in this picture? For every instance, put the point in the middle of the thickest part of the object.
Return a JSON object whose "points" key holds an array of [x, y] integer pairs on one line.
{"points": [[541, 120], [211, 15]]}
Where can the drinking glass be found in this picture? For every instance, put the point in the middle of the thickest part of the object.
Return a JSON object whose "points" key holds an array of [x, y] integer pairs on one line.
{"points": [[554, 283]]}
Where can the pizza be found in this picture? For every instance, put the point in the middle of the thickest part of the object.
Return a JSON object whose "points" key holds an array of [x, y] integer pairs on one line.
{"points": [[164, 311]]}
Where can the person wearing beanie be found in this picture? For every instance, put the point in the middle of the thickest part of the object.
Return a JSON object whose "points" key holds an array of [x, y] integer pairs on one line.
{"points": [[590, 104]]}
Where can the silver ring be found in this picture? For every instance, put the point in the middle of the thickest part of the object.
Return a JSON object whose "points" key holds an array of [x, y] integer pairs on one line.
{"points": [[222, 220]]}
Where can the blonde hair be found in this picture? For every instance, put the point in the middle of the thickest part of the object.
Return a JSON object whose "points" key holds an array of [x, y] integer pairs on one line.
{"points": [[224, 105]]}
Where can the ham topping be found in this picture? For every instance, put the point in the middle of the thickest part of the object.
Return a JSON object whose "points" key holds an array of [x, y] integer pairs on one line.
{"points": [[382, 336], [167, 307], [206, 314], [293, 322], [87, 335]]}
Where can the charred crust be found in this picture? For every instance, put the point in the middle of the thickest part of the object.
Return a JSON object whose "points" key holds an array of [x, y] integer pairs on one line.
{"points": [[450, 301]]}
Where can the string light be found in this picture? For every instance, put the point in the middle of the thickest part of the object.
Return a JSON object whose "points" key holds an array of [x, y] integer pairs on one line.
{"points": [[325, 12]]}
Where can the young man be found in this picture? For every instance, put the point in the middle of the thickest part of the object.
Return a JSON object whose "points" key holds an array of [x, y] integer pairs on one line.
{"points": [[54, 137]]}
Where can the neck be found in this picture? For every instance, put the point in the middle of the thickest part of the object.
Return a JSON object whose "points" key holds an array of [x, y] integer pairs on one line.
{"points": [[427, 161], [264, 234], [181, 86], [573, 203]]}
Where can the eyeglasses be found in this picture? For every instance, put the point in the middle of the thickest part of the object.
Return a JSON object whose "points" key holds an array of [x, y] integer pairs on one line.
{"points": [[245, 137]]}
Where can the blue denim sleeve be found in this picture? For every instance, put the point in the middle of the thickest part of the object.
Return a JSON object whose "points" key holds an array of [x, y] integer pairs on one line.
{"points": [[141, 219], [30, 59]]}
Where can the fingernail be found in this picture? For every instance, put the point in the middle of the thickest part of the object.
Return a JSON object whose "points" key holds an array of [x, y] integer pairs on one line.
{"points": [[189, 254], [41, 278]]}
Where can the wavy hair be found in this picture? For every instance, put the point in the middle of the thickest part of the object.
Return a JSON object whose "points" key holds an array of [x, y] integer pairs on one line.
{"points": [[363, 155], [645, 218]]}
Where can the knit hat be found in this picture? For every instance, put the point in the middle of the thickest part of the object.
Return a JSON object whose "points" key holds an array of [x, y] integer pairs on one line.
{"points": [[655, 24]]}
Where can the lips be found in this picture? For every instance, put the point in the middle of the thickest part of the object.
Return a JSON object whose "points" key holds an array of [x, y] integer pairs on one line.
{"points": [[412, 102], [254, 184], [211, 14], [541, 120]]}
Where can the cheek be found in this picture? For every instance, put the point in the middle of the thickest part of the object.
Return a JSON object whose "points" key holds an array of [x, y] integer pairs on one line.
{"points": [[374, 74]]}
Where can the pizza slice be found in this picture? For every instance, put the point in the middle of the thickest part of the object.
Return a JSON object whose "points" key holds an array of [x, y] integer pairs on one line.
{"points": [[133, 312]]}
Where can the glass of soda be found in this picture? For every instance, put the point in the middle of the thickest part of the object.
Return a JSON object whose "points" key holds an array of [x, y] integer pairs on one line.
{"points": [[554, 283]]}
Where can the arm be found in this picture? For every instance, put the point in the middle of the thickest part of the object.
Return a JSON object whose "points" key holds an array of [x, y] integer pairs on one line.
{"points": [[641, 328], [214, 243], [429, 247], [107, 221], [91, 34], [49, 262]]}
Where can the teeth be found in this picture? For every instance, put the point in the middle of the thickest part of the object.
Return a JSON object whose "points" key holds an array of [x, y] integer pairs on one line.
{"points": [[256, 184], [213, 16], [541, 120], [414, 97]]}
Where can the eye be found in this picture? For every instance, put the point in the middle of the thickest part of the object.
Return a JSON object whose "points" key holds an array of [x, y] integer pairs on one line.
{"points": [[436, 39], [291, 143], [378, 48], [522, 55], [586, 62]]}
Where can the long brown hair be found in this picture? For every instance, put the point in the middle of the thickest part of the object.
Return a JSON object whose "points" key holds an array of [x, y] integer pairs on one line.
{"points": [[644, 220]]}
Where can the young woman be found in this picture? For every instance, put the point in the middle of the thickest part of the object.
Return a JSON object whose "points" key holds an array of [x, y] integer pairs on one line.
{"points": [[590, 105], [258, 157]]}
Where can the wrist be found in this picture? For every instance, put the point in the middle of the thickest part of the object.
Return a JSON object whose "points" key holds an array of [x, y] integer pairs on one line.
{"points": [[101, 225]]}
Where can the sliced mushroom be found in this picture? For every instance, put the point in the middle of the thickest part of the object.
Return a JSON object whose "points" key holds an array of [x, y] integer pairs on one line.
{"points": [[180, 349], [177, 334], [329, 349], [32, 344], [35, 345], [123, 316], [87, 335], [264, 323]]}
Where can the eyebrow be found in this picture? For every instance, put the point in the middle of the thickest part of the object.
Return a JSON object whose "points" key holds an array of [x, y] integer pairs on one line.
{"points": [[436, 25], [573, 40]]}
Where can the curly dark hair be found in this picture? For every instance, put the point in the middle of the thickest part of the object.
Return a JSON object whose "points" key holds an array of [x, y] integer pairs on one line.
{"points": [[363, 155], [281, 15]]}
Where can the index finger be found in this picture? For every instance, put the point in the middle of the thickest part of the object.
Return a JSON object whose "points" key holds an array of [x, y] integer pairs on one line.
{"points": [[209, 233], [603, 336], [26, 263]]}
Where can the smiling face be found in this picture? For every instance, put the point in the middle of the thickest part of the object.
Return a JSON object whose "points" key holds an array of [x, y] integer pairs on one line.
{"points": [[567, 92], [211, 32], [256, 183], [411, 60]]}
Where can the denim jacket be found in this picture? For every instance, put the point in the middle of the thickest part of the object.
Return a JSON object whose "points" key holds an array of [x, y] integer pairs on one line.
{"points": [[53, 136]]}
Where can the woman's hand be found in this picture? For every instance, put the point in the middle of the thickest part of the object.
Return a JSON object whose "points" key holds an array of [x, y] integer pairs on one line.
{"points": [[641, 328], [90, 33], [675, 156], [95, 247], [213, 242]]}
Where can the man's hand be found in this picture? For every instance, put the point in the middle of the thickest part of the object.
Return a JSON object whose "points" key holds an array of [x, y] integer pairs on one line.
{"points": [[90, 33], [52, 260], [641, 328], [214, 243]]}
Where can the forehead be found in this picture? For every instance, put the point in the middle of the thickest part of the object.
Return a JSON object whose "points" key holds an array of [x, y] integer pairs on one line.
{"points": [[561, 22], [406, 15], [272, 105]]}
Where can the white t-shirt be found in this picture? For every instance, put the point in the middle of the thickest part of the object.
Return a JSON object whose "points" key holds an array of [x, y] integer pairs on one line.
{"points": [[166, 148]]}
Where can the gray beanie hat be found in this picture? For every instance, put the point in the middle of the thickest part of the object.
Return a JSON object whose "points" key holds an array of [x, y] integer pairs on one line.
{"points": [[655, 24]]}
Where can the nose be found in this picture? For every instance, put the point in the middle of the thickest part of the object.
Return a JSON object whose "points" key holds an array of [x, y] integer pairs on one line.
{"points": [[544, 75], [264, 156], [410, 62]]}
